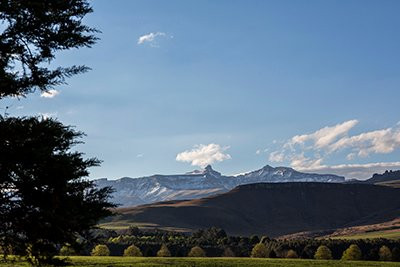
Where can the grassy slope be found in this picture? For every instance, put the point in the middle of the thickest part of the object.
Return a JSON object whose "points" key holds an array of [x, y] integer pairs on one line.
{"points": [[395, 183], [371, 235], [81, 261]]}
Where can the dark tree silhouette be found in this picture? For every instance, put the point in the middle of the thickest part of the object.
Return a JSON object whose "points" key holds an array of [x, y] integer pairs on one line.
{"points": [[45, 201], [31, 33]]}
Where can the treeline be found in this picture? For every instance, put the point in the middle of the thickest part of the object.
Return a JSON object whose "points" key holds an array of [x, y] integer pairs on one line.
{"points": [[214, 242]]}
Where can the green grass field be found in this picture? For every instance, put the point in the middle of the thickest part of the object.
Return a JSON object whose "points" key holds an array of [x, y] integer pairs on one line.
{"points": [[377, 234], [81, 261]]}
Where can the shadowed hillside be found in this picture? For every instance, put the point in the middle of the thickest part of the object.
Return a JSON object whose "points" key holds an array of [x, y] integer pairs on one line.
{"points": [[273, 209]]}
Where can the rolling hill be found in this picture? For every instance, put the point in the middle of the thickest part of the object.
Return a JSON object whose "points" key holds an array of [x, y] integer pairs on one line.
{"points": [[272, 209]]}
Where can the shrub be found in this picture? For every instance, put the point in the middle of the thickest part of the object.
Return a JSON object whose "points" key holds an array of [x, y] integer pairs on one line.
{"points": [[323, 253], [164, 251], [100, 250], [196, 252], [353, 253], [132, 251], [67, 251], [272, 254], [308, 252], [259, 251], [254, 239], [5, 251], [228, 253], [385, 254], [373, 254], [265, 239], [396, 254], [291, 254]]}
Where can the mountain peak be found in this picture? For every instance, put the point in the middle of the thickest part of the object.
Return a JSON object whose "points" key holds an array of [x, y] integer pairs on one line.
{"points": [[208, 168], [267, 167], [210, 171]]}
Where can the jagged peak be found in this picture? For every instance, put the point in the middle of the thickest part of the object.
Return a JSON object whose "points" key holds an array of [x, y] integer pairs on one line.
{"points": [[268, 167], [207, 170]]}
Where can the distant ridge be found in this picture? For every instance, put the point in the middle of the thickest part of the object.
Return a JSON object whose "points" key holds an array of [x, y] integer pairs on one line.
{"points": [[385, 177], [200, 183], [388, 178]]}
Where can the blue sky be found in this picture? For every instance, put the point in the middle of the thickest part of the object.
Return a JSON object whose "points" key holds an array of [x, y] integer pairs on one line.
{"points": [[239, 84]]}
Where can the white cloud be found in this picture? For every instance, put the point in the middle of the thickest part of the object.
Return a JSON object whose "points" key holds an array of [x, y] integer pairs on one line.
{"points": [[299, 162], [325, 136], [50, 93], [203, 155], [358, 171], [258, 152], [335, 138], [150, 37], [378, 142], [139, 155], [277, 156]]}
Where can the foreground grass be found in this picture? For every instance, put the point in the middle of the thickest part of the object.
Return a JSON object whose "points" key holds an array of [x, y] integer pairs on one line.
{"points": [[81, 261]]}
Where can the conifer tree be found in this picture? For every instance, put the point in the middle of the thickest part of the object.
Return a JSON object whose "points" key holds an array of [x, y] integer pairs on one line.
{"points": [[45, 199]]}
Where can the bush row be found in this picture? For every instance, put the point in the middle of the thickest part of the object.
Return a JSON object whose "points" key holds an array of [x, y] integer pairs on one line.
{"points": [[216, 243], [260, 250]]}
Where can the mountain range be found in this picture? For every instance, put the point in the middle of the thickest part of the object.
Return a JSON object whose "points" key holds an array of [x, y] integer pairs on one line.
{"points": [[272, 209], [200, 183]]}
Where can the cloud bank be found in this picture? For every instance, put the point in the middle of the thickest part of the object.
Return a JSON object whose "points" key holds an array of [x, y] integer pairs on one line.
{"points": [[324, 137], [354, 171], [307, 152], [203, 155]]}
